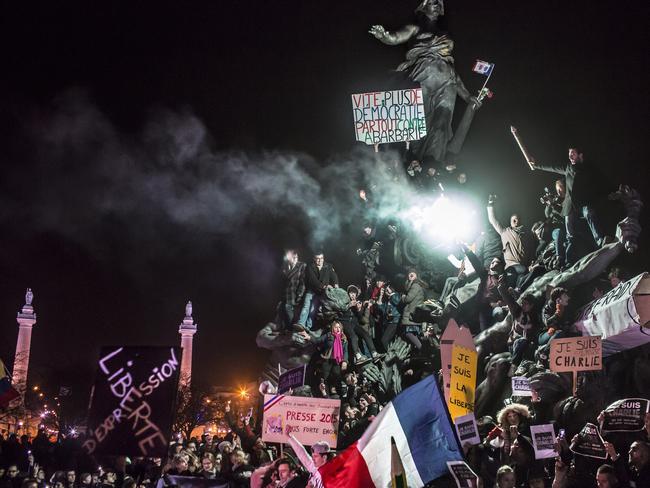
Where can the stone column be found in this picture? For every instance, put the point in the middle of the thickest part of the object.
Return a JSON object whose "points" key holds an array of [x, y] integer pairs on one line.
{"points": [[26, 319], [187, 330]]}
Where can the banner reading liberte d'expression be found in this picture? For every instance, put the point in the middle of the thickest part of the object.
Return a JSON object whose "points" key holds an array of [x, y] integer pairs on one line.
{"points": [[131, 408], [309, 419], [389, 116]]}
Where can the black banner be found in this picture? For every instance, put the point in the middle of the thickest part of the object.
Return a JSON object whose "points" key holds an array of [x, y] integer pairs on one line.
{"points": [[625, 415], [590, 443], [131, 409]]}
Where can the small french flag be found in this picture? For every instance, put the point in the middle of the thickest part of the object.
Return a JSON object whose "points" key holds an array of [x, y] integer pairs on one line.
{"points": [[483, 67]]}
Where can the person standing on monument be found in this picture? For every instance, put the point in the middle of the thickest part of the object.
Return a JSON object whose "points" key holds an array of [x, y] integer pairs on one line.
{"points": [[319, 276], [582, 189]]}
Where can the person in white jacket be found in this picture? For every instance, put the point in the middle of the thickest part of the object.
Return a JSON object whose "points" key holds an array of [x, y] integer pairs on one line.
{"points": [[320, 454]]}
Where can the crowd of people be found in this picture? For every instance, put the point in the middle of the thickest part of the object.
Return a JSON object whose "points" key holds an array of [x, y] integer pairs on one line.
{"points": [[371, 339]]}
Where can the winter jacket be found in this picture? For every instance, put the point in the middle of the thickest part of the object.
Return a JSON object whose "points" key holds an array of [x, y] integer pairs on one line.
{"points": [[316, 280]]}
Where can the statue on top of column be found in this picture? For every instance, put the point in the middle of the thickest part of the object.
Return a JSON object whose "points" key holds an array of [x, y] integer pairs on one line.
{"points": [[188, 309], [429, 62], [29, 297]]}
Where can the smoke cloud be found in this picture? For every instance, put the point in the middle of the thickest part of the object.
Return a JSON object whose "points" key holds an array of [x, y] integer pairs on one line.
{"points": [[90, 180]]}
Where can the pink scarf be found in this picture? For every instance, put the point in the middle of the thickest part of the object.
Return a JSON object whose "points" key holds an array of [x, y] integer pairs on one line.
{"points": [[337, 349]]}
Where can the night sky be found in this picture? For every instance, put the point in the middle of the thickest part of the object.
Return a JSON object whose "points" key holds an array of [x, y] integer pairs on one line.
{"points": [[140, 142]]}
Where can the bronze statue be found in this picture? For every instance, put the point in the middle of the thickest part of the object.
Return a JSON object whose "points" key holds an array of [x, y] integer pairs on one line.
{"points": [[429, 62]]}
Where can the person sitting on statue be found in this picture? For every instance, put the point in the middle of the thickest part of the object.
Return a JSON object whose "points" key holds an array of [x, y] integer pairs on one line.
{"points": [[555, 221], [386, 313], [490, 303], [431, 180], [545, 258], [516, 241], [414, 172], [582, 192], [557, 321], [522, 339], [319, 276], [293, 287], [465, 273]]}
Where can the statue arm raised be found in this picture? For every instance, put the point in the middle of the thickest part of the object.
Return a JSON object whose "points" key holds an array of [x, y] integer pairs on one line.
{"points": [[396, 37]]}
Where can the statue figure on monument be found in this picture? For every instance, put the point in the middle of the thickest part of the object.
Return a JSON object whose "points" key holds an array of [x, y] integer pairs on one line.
{"points": [[188, 309], [29, 296], [429, 62]]}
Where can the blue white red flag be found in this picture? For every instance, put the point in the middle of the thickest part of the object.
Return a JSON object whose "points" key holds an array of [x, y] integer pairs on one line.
{"points": [[418, 420], [483, 67]]}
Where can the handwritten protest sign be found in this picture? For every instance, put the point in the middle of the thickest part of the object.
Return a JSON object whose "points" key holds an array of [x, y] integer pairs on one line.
{"points": [[463, 474], [521, 386], [309, 419], [626, 415], [467, 430], [293, 378], [389, 116], [453, 334], [133, 396], [462, 386], [576, 354], [543, 441], [589, 443]]}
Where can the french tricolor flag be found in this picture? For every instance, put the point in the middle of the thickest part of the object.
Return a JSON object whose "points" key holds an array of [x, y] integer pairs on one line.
{"points": [[483, 67], [418, 421]]}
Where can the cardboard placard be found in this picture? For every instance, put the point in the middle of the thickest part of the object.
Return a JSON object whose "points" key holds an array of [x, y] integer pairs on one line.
{"points": [[453, 334], [389, 116], [131, 409], [590, 443], [293, 378], [309, 419], [573, 354], [626, 415], [543, 441], [462, 388], [521, 386], [467, 430], [463, 474]]}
